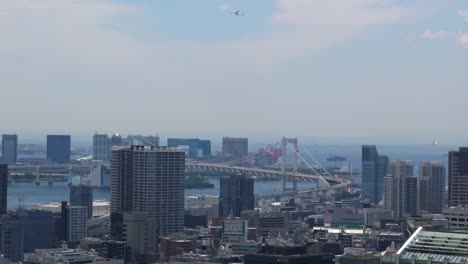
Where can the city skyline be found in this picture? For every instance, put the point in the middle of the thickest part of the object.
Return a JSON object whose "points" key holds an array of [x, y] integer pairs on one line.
{"points": [[295, 68]]}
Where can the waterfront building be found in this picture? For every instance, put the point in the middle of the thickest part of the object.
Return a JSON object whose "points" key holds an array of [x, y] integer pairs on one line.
{"points": [[238, 147], [401, 189], [58, 148], [196, 147], [99, 176], [101, 147], [236, 195], [149, 180], [38, 228], [3, 188], [10, 149], [82, 195], [431, 186], [374, 169], [458, 177]]}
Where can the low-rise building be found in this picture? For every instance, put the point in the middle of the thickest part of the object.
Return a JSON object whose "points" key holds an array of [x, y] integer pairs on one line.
{"points": [[457, 217]]}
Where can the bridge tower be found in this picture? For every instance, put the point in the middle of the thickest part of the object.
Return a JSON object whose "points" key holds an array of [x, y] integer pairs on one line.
{"points": [[284, 145]]}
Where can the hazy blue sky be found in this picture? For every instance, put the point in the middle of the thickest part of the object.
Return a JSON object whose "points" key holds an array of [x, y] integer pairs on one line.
{"points": [[346, 70]]}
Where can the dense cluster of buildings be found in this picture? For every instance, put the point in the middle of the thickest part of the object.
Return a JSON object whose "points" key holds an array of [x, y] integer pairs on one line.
{"points": [[397, 216]]}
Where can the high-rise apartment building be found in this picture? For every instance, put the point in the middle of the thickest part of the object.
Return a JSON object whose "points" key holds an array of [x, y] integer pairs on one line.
{"points": [[101, 147], [458, 177], [374, 169], [238, 147], [431, 186], [149, 180], [236, 194], [10, 149], [76, 223], [58, 148], [82, 195], [3, 188], [401, 189]]}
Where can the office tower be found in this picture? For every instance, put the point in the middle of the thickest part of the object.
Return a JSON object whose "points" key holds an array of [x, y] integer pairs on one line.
{"points": [[76, 218], [196, 147], [10, 149], [38, 228], [236, 194], [401, 189], [374, 169], [58, 148], [101, 147], [11, 239], [152, 141], [3, 188], [431, 186], [238, 147], [458, 177], [82, 195], [149, 180]]}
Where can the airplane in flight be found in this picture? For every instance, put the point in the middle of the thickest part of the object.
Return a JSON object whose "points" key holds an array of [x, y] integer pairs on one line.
{"points": [[237, 13]]}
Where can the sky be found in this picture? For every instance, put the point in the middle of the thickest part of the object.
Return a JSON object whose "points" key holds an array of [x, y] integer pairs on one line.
{"points": [[343, 71]]}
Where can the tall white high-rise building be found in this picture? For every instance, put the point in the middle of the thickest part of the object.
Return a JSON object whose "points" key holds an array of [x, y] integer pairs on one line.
{"points": [[77, 217], [401, 189], [149, 180]]}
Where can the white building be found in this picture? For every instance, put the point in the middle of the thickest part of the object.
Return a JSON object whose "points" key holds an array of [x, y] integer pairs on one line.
{"points": [[457, 217], [67, 256], [100, 207], [77, 220], [235, 230]]}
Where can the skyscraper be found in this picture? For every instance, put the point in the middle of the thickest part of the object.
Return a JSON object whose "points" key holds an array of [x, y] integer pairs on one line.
{"points": [[431, 186], [238, 147], [82, 195], [101, 147], [3, 188], [149, 180], [458, 177], [58, 148], [236, 194], [374, 169], [10, 149], [401, 189]]}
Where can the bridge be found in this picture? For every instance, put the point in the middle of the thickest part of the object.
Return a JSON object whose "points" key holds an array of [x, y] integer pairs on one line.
{"points": [[262, 173], [325, 181]]}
